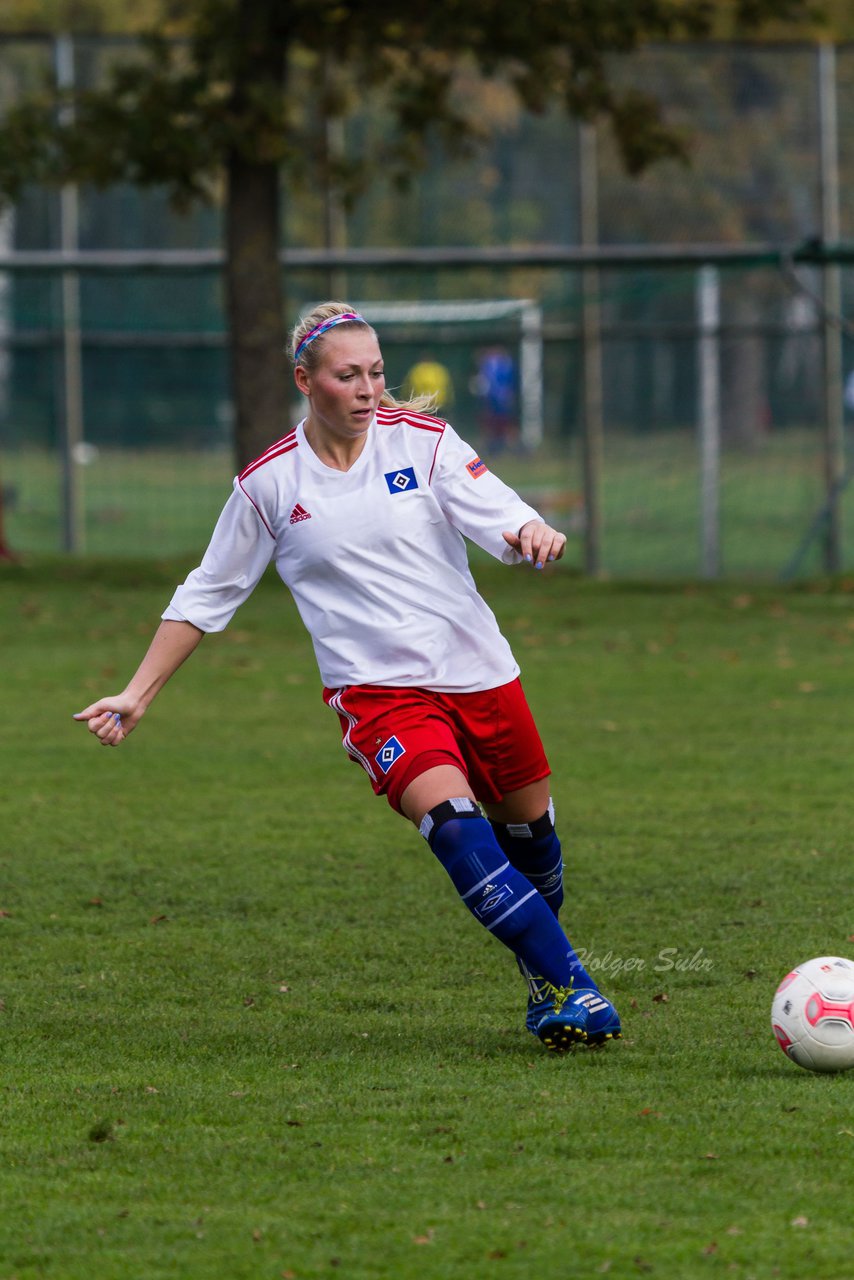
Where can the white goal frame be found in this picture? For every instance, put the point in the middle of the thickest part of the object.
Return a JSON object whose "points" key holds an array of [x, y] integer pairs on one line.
{"points": [[530, 317]]}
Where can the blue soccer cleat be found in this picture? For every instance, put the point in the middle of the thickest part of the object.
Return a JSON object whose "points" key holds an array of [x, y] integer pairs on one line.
{"points": [[564, 1017], [603, 1021], [554, 1015]]}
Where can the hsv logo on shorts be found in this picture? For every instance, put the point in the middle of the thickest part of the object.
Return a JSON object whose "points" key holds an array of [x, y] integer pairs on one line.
{"points": [[476, 467], [401, 481], [390, 751]]}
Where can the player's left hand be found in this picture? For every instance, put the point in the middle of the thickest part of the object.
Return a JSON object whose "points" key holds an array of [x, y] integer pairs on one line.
{"points": [[537, 543]]}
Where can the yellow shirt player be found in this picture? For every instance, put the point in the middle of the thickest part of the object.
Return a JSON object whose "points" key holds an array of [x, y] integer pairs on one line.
{"points": [[429, 378]]}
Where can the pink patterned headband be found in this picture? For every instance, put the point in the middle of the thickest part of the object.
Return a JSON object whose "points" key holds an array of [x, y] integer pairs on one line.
{"points": [[325, 325]]}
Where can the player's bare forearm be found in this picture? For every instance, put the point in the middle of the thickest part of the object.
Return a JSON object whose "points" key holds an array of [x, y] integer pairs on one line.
{"points": [[111, 719], [537, 543]]}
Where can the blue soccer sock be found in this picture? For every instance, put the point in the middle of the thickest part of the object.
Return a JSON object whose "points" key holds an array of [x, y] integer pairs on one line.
{"points": [[534, 849], [498, 895]]}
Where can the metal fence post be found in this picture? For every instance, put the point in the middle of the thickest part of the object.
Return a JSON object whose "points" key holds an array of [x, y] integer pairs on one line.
{"points": [[71, 434], [531, 376], [709, 418], [834, 409], [591, 324]]}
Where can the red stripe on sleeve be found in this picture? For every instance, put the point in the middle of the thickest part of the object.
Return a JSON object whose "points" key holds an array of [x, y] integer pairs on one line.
{"points": [[275, 451]]}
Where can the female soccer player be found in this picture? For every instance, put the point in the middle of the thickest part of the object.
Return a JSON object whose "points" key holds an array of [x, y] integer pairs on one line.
{"points": [[364, 507]]}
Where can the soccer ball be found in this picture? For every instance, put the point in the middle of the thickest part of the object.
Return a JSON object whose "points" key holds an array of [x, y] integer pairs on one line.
{"points": [[813, 1014]]}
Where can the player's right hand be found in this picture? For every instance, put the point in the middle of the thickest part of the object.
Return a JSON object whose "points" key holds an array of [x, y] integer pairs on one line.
{"points": [[110, 719]]}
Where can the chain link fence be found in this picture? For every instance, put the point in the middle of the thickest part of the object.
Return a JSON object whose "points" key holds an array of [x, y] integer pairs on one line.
{"points": [[712, 454]]}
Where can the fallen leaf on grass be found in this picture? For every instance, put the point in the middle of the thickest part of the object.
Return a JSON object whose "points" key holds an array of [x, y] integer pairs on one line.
{"points": [[425, 1239], [648, 1111], [158, 920], [661, 998], [710, 1155], [800, 1222], [711, 1248]]}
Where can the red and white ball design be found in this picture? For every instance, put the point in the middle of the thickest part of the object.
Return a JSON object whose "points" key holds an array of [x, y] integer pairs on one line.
{"points": [[812, 1014]]}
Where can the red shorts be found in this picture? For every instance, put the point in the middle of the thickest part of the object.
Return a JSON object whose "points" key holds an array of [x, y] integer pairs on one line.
{"points": [[395, 734]]}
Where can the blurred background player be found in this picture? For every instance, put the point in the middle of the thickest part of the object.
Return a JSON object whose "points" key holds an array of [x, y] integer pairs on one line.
{"points": [[429, 380], [495, 387], [364, 507]]}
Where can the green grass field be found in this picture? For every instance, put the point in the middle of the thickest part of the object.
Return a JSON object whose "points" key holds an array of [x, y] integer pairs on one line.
{"points": [[249, 1031]]}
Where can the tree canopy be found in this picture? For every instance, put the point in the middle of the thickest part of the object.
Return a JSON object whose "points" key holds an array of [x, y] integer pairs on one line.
{"points": [[91, 16], [219, 106], [171, 113]]}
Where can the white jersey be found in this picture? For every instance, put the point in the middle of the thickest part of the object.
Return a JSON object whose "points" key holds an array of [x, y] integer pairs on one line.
{"points": [[374, 557]]}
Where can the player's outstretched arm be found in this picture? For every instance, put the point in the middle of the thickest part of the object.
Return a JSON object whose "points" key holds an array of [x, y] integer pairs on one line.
{"points": [[112, 719], [537, 542]]}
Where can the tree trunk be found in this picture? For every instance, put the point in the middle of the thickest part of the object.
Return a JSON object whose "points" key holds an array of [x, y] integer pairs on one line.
{"points": [[254, 298]]}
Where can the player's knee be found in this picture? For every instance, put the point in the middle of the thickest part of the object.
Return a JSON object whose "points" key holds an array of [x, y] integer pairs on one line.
{"points": [[541, 829], [458, 809]]}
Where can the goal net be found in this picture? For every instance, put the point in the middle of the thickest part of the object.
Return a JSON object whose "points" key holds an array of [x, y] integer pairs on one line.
{"points": [[515, 322]]}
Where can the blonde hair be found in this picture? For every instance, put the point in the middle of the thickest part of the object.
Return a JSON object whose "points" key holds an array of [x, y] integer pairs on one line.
{"points": [[310, 356]]}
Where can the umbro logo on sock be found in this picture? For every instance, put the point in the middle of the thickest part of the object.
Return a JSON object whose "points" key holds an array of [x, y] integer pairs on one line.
{"points": [[299, 513]]}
